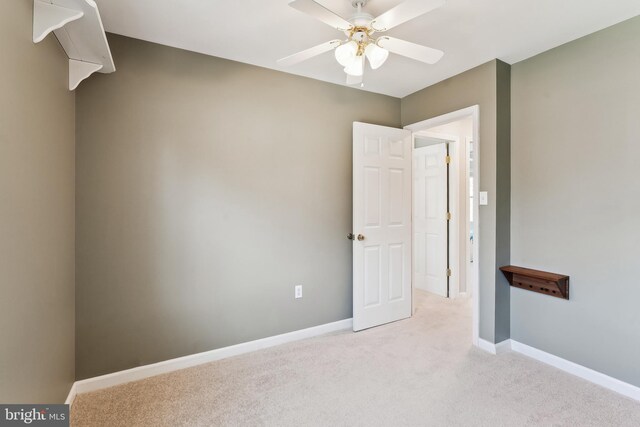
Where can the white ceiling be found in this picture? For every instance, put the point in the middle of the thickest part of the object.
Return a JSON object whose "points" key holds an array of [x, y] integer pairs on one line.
{"points": [[470, 32]]}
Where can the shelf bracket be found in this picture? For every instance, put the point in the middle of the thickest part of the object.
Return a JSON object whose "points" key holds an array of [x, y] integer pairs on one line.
{"points": [[80, 70], [49, 17]]}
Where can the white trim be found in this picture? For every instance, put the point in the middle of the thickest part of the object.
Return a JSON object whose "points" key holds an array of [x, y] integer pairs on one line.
{"points": [[457, 216], [583, 372], [469, 254], [444, 119], [503, 346], [487, 346], [603, 380], [499, 348], [71, 396], [474, 112], [141, 372]]}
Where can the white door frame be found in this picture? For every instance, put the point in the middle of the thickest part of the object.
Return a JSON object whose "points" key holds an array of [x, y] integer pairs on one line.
{"points": [[474, 113]]}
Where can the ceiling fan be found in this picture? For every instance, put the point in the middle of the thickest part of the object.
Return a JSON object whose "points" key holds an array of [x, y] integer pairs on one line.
{"points": [[360, 42]]}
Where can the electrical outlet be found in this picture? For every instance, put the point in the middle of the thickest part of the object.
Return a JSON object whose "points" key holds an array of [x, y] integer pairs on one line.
{"points": [[298, 291]]}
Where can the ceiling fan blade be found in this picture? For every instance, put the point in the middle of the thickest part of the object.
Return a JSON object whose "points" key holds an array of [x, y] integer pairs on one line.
{"points": [[410, 50], [404, 12], [320, 12], [308, 53], [354, 80]]}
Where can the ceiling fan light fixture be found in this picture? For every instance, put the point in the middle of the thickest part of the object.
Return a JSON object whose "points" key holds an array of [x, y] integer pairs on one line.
{"points": [[376, 55], [360, 43], [356, 68], [346, 53]]}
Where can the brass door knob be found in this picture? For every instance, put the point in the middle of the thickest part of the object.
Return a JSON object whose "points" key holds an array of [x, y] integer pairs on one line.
{"points": [[360, 237], [351, 236]]}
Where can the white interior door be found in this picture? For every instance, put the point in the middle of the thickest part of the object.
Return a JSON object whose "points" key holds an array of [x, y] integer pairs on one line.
{"points": [[382, 222], [430, 218]]}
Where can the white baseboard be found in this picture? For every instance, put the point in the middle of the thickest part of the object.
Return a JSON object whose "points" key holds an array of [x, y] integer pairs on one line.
{"points": [[503, 346], [492, 348], [141, 372], [72, 395], [583, 372], [487, 346]]}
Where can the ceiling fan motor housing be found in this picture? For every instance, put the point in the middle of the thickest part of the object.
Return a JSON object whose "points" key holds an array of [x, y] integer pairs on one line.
{"points": [[361, 19]]}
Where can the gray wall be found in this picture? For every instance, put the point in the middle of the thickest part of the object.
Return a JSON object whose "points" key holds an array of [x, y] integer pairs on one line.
{"points": [[503, 198], [484, 86], [576, 197], [207, 189], [36, 214]]}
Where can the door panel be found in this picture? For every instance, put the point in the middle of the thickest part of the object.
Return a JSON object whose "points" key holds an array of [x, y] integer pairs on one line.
{"points": [[430, 218], [396, 197], [372, 196], [382, 214], [372, 273], [396, 279]]}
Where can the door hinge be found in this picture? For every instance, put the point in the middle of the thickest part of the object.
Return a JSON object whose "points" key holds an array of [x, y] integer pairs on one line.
{"points": [[448, 216], [448, 272], [448, 159]]}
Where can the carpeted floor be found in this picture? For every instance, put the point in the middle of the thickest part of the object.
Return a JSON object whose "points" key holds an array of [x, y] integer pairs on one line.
{"points": [[417, 372]]}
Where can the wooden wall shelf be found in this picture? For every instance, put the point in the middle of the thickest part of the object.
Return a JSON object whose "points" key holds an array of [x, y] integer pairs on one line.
{"points": [[552, 284], [78, 27]]}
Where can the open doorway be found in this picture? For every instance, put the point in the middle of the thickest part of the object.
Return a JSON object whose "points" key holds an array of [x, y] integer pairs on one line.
{"points": [[383, 217], [445, 206]]}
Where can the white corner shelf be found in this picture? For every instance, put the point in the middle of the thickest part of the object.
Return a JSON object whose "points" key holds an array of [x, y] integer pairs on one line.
{"points": [[78, 27]]}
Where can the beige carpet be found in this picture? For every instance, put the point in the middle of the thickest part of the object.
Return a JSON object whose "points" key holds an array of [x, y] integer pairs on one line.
{"points": [[417, 372]]}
